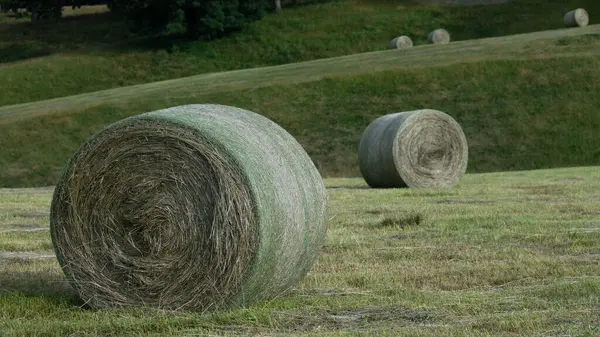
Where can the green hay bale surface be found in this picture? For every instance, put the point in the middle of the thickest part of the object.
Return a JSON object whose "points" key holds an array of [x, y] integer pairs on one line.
{"points": [[401, 42], [576, 18], [438, 36], [193, 207], [422, 148]]}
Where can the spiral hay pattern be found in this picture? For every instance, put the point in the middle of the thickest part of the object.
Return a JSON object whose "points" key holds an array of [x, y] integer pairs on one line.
{"points": [[438, 36], [194, 207], [421, 148], [401, 42], [576, 18]]}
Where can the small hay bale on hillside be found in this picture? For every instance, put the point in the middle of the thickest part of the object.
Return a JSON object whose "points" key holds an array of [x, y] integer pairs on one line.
{"points": [[193, 207], [438, 36], [421, 148], [577, 18], [401, 42]]}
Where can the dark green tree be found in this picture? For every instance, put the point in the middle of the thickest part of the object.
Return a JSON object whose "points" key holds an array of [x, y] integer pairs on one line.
{"points": [[205, 19]]}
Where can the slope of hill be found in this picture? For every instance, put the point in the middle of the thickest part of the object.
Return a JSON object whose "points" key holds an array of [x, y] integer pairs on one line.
{"points": [[538, 45], [90, 52], [517, 112]]}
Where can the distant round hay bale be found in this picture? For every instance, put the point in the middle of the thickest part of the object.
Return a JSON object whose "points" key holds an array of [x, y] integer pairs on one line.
{"points": [[438, 36], [194, 207], [401, 42], [577, 18], [421, 148]]}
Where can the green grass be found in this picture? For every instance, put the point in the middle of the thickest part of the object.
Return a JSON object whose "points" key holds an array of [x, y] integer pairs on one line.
{"points": [[93, 51], [517, 113], [525, 101], [538, 45], [501, 254]]}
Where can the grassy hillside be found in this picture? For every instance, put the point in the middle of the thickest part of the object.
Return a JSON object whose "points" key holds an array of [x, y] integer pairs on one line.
{"points": [[94, 51], [517, 113], [504, 254]]}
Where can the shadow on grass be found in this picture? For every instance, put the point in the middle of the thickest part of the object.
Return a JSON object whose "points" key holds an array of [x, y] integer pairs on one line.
{"points": [[33, 278], [22, 40], [359, 319], [17, 52], [349, 188], [80, 34], [169, 43]]}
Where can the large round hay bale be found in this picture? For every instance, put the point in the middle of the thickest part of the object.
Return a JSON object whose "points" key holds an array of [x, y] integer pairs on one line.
{"points": [[421, 148], [192, 207], [438, 36], [576, 18], [401, 42]]}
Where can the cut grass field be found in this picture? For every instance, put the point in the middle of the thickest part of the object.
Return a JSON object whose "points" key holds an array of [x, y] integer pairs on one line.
{"points": [[500, 254]]}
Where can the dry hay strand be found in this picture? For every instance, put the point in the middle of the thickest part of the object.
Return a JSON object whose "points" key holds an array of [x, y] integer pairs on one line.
{"points": [[401, 42], [577, 18], [197, 207], [26, 255], [419, 149], [438, 36]]}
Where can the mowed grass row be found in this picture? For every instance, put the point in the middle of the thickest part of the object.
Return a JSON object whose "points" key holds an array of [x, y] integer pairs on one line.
{"points": [[500, 254], [516, 114], [539, 45], [95, 51]]}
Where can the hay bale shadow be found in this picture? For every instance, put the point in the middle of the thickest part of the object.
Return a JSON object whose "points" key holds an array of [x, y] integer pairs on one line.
{"points": [[35, 278], [349, 188], [358, 319], [468, 202]]}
